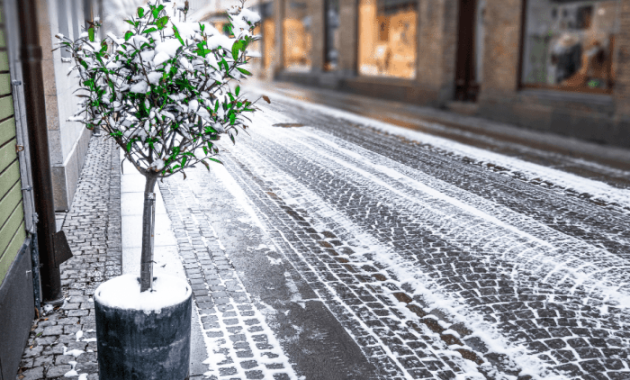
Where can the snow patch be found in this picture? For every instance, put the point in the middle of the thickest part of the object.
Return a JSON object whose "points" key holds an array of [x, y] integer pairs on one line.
{"points": [[76, 353], [242, 199], [123, 292]]}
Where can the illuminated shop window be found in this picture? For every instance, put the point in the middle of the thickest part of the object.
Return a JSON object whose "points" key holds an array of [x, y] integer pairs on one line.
{"points": [[569, 45], [387, 38], [297, 36], [332, 35]]}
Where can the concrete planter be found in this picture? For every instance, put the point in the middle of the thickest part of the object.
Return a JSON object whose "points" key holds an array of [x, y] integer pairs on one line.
{"points": [[146, 342]]}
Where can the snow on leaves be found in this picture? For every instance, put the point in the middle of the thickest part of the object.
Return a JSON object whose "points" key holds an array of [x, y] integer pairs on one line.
{"points": [[162, 90]]}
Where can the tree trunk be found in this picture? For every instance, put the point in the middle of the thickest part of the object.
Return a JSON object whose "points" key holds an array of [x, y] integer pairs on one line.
{"points": [[148, 227]]}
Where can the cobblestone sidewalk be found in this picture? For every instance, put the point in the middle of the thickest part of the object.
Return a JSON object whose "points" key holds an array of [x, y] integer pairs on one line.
{"points": [[63, 340]]}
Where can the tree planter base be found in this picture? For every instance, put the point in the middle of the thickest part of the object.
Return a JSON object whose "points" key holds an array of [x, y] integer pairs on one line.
{"points": [[143, 336]]}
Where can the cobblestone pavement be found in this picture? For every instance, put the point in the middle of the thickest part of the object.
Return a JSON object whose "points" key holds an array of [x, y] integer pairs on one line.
{"points": [[63, 340], [434, 264], [328, 249]]}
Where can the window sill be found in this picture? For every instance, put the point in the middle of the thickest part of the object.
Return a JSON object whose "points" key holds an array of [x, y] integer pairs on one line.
{"points": [[566, 96], [384, 80]]}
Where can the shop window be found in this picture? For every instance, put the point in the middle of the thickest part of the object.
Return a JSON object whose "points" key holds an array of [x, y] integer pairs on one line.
{"points": [[332, 35], [387, 38], [297, 36], [569, 45]]}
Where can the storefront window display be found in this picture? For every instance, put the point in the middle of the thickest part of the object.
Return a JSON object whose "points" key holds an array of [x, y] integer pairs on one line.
{"points": [[569, 45], [387, 38], [298, 38], [332, 35]]}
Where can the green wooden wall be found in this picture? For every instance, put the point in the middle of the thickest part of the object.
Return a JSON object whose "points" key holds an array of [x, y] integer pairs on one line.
{"points": [[12, 230]]}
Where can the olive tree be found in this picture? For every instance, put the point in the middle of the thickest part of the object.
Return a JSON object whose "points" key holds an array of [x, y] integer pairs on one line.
{"points": [[165, 93]]}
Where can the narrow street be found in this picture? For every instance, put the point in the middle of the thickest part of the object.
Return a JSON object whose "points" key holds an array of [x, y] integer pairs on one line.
{"points": [[337, 246]]}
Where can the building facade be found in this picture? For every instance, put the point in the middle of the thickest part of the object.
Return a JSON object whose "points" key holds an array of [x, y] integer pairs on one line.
{"points": [[68, 139], [551, 65], [16, 202]]}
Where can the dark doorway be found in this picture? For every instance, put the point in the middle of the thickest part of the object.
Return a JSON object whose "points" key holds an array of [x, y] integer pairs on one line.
{"points": [[466, 70]]}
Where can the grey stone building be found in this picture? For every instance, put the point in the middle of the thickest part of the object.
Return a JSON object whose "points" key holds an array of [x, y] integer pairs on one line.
{"points": [[551, 65]]}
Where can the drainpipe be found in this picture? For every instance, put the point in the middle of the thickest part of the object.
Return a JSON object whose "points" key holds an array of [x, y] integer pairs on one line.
{"points": [[31, 57]]}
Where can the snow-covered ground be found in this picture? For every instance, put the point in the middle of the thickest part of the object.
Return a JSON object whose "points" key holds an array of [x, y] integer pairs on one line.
{"points": [[431, 262], [528, 270]]}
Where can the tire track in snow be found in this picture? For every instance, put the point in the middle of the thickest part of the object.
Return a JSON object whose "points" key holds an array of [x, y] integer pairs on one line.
{"points": [[284, 148], [561, 251]]}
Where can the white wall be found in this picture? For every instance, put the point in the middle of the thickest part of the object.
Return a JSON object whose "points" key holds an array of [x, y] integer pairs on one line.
{"points": [[67, 103]]}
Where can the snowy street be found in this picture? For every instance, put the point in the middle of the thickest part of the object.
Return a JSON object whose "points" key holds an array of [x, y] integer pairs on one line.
{"points": [[338, 246]]}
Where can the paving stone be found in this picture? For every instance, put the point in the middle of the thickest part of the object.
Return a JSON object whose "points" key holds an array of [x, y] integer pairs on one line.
{"points": [[58, 371], [33, 374], [95, 218]]}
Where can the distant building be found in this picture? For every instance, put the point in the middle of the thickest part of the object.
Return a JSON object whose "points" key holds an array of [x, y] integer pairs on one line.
{"points": [[551, 65]]}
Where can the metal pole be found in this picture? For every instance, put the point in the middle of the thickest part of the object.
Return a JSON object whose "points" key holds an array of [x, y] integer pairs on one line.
{"points": [[31, 57]]}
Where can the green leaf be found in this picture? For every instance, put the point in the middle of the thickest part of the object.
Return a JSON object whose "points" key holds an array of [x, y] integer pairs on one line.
{"points": [[150, 30], [215, 160], [236, 48], [227, 29], [205, 164], [232, 117], [91, 34], [128, 35], [237, 90], [161, 23], [223, 63], [243, 71], [176, 32], [140, 12]]}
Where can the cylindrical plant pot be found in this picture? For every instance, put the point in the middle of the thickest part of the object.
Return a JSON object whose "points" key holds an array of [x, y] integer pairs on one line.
{"points": [[143, 336]]}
